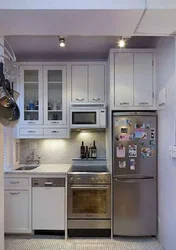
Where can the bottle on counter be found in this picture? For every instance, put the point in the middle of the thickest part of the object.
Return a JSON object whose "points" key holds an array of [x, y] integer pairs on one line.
{"points": [[82, 151], [94, 150], [90, 151], [87, 152]]}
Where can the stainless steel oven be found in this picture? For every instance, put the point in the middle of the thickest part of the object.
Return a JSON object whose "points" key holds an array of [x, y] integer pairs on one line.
{"points": [[89, 200]]}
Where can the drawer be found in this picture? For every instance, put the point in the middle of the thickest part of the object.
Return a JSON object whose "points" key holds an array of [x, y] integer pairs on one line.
{"points": [[31, 131], [61, 133], [16, 182]]}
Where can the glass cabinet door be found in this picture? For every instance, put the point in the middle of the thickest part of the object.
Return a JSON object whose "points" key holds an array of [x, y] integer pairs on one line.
{"points": [[31, 96], [55, 95]]}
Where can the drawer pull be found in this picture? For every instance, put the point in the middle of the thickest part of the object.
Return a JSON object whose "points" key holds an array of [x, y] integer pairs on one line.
{"points": [[80, 99], [14, 193], [31, 122], [124, 103], [31, 131], [54, 131], [55, 122], [14, 182], [96, 99], [143, 103]]}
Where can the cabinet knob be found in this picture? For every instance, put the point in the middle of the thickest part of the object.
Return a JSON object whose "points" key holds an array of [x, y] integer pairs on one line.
{"points": [[80, 99]]}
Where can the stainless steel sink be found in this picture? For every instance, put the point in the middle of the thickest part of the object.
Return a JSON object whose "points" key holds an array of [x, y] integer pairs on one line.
{"points": [[27, 168]]}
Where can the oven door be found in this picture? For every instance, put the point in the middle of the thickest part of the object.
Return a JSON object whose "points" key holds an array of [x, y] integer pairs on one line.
{"points": [[84, 118], [89, 201]]}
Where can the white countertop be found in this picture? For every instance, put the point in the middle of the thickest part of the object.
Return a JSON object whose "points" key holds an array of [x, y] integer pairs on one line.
{"points": [[42, 169]]}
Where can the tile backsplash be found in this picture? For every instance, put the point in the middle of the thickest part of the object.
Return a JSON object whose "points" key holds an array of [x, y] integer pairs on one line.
{"points": [[62, 150]]}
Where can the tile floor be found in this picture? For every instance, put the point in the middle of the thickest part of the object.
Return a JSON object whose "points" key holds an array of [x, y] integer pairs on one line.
{"points": [[53, 243]]}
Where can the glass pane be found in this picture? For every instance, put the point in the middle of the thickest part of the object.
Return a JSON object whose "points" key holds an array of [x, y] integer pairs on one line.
{"points": [[31, 100], [84, 117], [54, 95], [31, 76], [89, 201], [55, 75]]}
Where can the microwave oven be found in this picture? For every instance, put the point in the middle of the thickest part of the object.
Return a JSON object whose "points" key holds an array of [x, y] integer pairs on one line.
{"points": [[87, 116]]}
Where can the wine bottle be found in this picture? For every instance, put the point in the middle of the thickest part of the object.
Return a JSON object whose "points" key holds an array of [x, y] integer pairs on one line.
{"points": [[82, 151], [94, 150]]}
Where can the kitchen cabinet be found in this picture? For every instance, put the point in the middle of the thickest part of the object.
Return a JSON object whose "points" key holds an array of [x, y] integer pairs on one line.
{"points": [[43, 101], [16, 213], [54, 95], [31, 95], [88, 83], [132, 76]]}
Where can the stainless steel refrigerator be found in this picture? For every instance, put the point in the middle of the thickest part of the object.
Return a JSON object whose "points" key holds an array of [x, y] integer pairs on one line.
{"points": [[134, 173]]}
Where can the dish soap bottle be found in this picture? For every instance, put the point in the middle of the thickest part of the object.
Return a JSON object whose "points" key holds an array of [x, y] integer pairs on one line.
{"points": [[82, 151], [94, 150]]}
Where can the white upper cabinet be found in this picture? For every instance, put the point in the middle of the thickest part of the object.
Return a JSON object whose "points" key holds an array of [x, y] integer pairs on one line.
{"points": [[96, 83], [79, 81], [54, 95], [88, 83], [123, 85], [143, 79], [31, 101]]}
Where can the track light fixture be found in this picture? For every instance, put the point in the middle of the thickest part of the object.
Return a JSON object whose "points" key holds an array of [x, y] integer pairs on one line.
{"points": [[121, 42], [62, 42]]}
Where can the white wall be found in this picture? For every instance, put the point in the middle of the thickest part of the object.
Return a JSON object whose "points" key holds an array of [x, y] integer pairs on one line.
{"points": [[166, 75], [77, 4]]}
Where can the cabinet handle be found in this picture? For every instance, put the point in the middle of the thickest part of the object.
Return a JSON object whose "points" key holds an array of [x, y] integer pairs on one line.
{"points": [[80, 99], [14, 193], [143, 103], [31, 122], [48, 183], [124, 103], [31, 131], [54, 131], [96, 99], [14, 182], [54, 122]]}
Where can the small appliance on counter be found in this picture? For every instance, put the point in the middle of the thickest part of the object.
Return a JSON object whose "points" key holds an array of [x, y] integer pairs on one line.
{"points": [[89, 197], [88, 116]]}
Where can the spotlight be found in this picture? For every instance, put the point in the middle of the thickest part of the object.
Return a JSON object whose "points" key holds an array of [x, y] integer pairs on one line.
{"points": [[121, 43], [62, 42]]}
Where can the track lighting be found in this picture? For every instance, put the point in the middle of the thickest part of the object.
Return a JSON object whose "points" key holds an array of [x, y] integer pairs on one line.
{"points": [[62, 42], [121, 43]]}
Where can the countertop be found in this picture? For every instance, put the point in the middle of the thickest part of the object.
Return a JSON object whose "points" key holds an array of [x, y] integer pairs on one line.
{"points": [[41, 169]]}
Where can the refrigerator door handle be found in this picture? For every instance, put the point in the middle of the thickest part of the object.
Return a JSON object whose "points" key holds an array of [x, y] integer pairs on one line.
{"points": [[134, 180]]}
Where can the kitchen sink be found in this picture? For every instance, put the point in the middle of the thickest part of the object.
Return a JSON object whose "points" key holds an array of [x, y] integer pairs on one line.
{"points": [[27, 168]]}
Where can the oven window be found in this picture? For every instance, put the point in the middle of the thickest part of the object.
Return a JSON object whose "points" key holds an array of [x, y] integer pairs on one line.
{"points": [[84, 118], [89, 201]]}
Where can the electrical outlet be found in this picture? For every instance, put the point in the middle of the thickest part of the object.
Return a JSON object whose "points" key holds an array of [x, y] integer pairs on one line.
{"points": [[174, 151], [170, 151], [33, 145]]}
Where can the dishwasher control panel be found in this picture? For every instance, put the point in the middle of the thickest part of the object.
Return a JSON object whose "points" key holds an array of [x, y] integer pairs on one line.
{"points": [[48, 182]]}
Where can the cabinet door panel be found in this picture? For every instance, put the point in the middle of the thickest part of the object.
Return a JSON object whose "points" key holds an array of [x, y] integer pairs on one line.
{"points": [[96, 83], [143, 79], [79, 80], [16, 217], [55, 95], [123, 79], [31, 96]]}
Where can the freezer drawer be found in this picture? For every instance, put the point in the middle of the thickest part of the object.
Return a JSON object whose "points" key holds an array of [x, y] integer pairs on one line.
{"points": [[134, 207]]}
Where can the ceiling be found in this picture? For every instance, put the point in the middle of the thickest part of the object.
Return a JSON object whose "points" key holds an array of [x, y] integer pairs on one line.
{"points": [[77, 47]]}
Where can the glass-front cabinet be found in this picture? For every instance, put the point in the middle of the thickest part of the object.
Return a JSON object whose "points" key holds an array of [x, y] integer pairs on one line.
{"points": [[55, 95], [31, 102]]}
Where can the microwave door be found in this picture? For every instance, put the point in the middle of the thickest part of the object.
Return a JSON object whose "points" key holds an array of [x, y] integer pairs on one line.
{"points": [[84, 119]]}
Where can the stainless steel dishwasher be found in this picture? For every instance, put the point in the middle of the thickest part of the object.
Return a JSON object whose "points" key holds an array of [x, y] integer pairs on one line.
{"points": [[48, 203]]}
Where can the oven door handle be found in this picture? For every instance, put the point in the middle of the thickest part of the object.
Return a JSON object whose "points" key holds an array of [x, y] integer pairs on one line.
{"points": [[90, 187]]}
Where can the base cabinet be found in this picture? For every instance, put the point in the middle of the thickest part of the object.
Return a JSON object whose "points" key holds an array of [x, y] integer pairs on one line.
{"points": [[17, 211]]}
